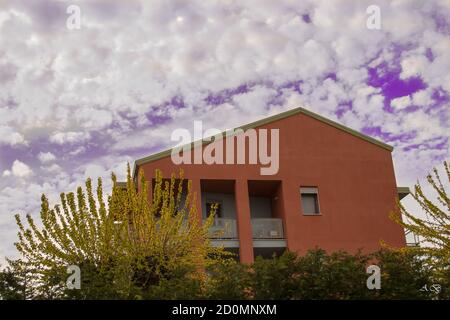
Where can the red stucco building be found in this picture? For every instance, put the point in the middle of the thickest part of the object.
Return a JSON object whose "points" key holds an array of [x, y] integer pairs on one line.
{"points": [[333, 189]]}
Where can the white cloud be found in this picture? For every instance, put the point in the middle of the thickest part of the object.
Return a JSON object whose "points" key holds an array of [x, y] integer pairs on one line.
{"points": [[413, 66], [20, 169], [94, 119], [401, 102], [147, 138], [69, 137], [10, 137], [46, 157], [254, 102], [169, 49], [94, 171], [52, 168], [77, 151], [422, 98]]}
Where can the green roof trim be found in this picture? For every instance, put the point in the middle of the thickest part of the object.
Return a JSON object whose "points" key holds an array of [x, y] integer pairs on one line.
{"points": [[402, 192], [268, 120]]}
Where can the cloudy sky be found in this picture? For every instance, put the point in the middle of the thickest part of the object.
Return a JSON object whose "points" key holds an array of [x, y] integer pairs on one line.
{"points": [[82, 102]]}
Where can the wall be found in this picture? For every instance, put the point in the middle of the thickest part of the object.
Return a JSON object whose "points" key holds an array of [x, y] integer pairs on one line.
{"points": [[355, 178], [260, 207]]}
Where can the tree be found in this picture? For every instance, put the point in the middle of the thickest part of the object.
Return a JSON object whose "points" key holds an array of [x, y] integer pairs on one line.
{"points": [[13, 282], [433, 230], [17, 283], [403, 275], [129, 243]]}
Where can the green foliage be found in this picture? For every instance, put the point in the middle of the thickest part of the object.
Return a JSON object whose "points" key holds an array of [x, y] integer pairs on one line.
{"points": [[125, 246], [313, 276], [318, 276], [433, 231], [274, 278], [403, 274], [13, 285], [96, 284], [335, 276], [228, 280], [444, 281], [179, 285]]}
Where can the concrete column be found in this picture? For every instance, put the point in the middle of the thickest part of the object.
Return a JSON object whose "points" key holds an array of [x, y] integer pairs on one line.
{"points": [[197, 189], [293, 222], [286, 195], [244, 226]]}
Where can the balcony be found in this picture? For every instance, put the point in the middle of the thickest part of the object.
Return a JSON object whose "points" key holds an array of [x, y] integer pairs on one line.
{"points": [[223, 228], [267, 228]]}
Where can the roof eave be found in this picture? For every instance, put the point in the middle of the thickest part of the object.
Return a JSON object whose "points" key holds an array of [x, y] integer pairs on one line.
{"points": [[403, 192]]}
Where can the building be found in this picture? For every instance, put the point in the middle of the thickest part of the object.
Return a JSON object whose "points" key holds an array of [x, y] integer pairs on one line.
{"points": [[333, 189]]}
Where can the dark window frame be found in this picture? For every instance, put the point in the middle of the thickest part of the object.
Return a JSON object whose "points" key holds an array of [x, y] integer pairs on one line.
{"points": [[308, 192]]}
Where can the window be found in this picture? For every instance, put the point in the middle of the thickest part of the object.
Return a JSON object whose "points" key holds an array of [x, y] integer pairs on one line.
{"points": [[310, 200], [209, 206]]}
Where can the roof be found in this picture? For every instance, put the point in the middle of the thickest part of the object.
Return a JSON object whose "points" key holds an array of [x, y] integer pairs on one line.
{"points": [[402, 192], [268, 120]]}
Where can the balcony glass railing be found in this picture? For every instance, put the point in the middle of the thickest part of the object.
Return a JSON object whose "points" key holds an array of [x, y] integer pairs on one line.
{"points": [[267, 228], [262, 228], [223, 228]]}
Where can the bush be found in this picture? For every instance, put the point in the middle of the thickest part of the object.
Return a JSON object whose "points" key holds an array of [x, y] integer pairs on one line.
{"points": [[403, 274], [313, 276], [275, 278], [318, 276], [228, 280], [336, 276]]}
